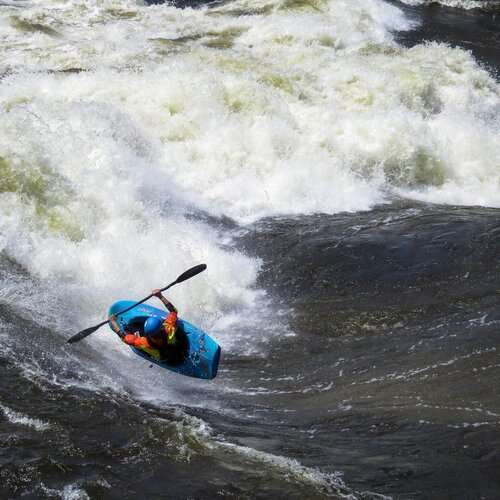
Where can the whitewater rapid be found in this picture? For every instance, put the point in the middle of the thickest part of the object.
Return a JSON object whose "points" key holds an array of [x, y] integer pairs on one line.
{"points": [[122, 124], [137, 141], [120, 121]]}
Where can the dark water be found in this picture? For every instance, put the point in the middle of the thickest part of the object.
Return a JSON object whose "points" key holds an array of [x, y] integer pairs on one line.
{"points": [[473, 30], [398, 309], [392, 377]]}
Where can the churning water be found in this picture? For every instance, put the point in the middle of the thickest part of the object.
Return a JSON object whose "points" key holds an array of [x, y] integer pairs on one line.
{"points": [[343, 189]]}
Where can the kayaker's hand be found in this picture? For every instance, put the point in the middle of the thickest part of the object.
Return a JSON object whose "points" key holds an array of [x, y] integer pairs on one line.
{"points": [[114, 325], [156, 293]]}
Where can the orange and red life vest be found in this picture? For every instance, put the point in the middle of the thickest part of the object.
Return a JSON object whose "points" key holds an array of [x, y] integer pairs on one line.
{"points": [[154, 345]]}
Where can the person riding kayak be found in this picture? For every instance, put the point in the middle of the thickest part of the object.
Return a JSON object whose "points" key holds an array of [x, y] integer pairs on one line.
{"points": [[160, 335]]}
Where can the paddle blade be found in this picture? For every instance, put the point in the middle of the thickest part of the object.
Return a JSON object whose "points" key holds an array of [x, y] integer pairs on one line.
{"points": [[191, 272], [81, 335]]}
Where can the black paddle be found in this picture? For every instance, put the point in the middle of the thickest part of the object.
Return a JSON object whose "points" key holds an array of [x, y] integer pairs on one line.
{"points": [[183, 277]]}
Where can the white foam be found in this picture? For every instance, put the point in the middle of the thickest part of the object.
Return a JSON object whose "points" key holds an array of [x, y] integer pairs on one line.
{"points": [[308, 111], [108, 188], [69, 492], [21, 419], [195, 436]]}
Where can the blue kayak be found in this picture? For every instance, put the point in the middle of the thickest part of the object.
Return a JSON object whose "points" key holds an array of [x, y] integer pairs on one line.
{"points": [[197, 355]]}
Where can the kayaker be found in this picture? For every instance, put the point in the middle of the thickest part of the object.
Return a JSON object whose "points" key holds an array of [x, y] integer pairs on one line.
{"points": [[160, 337]]}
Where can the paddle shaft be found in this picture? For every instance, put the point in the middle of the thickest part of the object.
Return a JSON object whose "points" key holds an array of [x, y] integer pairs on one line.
{"points": [[183, 277], [134, 305], [141, 301]]}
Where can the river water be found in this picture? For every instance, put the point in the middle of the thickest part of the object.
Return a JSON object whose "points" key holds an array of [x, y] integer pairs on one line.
{"points": [[336, 165]]}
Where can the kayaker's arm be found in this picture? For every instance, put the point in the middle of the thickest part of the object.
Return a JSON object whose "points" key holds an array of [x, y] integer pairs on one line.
{"points": [[157, 293], [115, 326]]}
